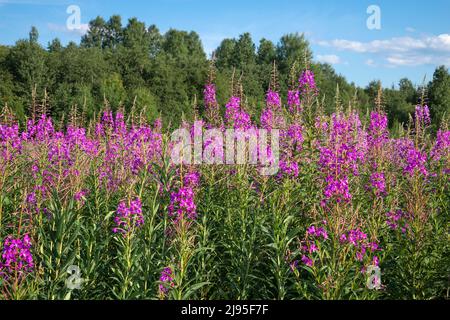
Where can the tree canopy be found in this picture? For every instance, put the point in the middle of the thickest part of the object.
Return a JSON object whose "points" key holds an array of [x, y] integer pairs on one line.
{"points": [[135, 66]]}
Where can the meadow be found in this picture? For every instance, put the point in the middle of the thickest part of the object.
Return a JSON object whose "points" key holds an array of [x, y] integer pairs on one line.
{"points": [[97, 209]]}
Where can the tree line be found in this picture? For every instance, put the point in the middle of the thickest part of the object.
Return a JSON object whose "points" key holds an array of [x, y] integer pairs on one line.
{"points": [[135, 66]]}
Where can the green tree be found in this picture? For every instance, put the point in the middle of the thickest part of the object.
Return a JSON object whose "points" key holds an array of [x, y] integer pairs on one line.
{"points": [[155, 40], [113, 32], [144, 102], [113, 90], [266, 56], [293, 48], [34, 35], [7, 95], [408, 91], [267, 52], [132, 57], [27, 64], [96, 35], [178, 73], [224, 54], [55, 46], [439, 95]]}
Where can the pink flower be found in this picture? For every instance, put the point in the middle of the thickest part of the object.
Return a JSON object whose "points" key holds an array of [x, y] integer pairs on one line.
{"points": [[307, 261], [166, 280], [235, 116], [128, 218], [273, 100], [182, 205], [378, 129], [307, 83], [378, 183], [16, 257], [293, 101], [422, 115]]}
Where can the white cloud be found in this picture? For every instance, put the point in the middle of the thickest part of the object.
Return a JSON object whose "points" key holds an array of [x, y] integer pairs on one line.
{"points": [[370, 62], [396, 60], [329, 58], [410, 29], [400, 61], [400, 51], [82, 30], [441, 42], [403, 44]]}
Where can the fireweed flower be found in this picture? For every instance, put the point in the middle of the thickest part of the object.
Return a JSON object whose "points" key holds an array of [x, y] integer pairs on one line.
{"points": [[321, 124], [196, 130], [354, 237], [107, 119], [32, 203], [129, 152], [16, 256], [120, 127], [344, 149], [422, 114], [310, 244], [307, 83], [307, 261], [166, 280], [80, 196], [267, 119], [76, 138], [234, 115], [375, 261], [378, 183], [191, 179], [293, 101], [242, 120], [143, 146], [232, 109], [211, 105], [317, 232], [295, 136], [111, 124], [128, 217], [40, 131], [266, 154], [289, 168], [273, 100], [291, 145], [271, 116], [60, 152], [99, 130], [415, 161], [359, 240], [214, 148], [10, 142], [441, 148], [209, 95], [35, 170], [270, 119], [31, 198], [378, 130], [398, 220], [182, 205], [337, 189]]}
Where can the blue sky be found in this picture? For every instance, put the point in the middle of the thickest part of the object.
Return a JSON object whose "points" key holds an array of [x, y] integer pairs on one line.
{"points": [[414, 37]]}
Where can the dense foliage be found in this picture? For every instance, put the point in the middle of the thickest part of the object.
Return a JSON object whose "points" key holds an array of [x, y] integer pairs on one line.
{"points": [[97, 209], [138, 68]]}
